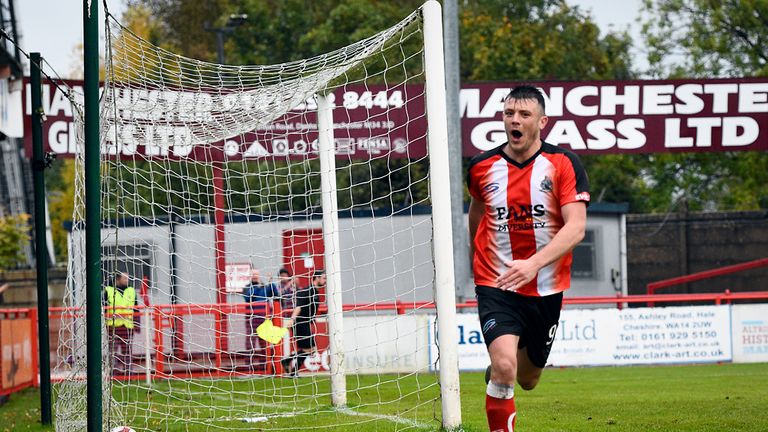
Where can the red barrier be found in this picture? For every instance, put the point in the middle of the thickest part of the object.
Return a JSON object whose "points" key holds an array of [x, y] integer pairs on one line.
{"points": [[231, 364], [18, 345], [707, 274]]}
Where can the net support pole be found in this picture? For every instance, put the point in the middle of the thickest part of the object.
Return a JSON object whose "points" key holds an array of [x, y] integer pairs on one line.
{"points": [[333, 298], [222, 337], [41, 249], [439, 182], [92, 213]]}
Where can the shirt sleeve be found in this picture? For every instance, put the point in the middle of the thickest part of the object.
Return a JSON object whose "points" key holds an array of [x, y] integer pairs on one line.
{"points": [[574, 183]]}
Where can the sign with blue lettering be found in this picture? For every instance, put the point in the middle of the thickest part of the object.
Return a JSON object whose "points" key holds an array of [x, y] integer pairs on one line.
{"points": [[696, 334]]}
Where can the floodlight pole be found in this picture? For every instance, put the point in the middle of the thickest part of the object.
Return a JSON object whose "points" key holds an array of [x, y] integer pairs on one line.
{"points": [[455, 148], [41, 249], [92, 213]]}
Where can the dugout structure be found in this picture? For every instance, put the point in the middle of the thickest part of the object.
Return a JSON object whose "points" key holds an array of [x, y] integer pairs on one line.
{"points": [[196, 145]]}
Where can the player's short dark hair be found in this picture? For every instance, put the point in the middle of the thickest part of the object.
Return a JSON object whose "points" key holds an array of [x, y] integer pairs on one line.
{"points": [[527, 92], [318, 273], [283, 271]]}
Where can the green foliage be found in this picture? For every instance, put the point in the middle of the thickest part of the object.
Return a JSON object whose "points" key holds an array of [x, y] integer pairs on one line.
{"points": [[618, 178], [550, 41], [60, 184], [14, 234], [706, 38], [180, 25]]}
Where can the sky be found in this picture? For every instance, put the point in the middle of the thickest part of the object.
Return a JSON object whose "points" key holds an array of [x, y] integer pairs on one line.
{"points": [[54, 28]]}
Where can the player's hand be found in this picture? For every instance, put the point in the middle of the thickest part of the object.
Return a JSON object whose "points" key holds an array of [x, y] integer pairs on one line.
{"points": [[287, 322], [520, 272]]}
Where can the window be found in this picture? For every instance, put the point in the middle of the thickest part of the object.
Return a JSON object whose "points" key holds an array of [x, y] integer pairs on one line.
{"points": [[134, 259], [585, 257]]}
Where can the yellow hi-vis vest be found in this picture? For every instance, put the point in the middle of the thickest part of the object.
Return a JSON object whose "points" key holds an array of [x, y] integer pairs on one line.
{"points": [[120, 307]]}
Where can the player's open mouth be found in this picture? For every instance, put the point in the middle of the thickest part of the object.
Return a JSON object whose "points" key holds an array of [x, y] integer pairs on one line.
{"points": [[516, 134]]}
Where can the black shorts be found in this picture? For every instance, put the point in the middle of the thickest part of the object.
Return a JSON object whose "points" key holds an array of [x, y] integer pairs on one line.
{"points": [[534, 319], [302, 332]]}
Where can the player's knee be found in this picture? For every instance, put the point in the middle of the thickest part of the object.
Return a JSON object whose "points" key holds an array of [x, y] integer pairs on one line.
{"points": [[504, 370], [528, 383]]}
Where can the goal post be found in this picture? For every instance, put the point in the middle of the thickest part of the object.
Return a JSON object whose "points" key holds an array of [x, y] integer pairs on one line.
{"points": [[334, 299], [445, 286], [212, 178]]}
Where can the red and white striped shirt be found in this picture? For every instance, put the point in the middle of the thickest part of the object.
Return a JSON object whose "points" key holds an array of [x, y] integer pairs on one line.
{"points": [[523, 212]]}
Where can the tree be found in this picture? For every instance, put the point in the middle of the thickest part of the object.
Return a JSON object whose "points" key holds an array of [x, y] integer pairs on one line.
{"points": [[180, 25], [708, 39], [538, 40], [14, 234], [60, 185]]}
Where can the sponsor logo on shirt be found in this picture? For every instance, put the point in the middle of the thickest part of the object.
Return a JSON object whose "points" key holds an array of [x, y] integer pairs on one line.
{"points": [[582, 196], [520, 212]]}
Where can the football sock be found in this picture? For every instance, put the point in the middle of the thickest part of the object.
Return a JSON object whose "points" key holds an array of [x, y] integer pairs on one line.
{"points": [[500, 407]]}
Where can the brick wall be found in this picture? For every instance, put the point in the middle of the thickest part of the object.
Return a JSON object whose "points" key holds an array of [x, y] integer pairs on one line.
{"points": [[23, 290], [665, 246]]}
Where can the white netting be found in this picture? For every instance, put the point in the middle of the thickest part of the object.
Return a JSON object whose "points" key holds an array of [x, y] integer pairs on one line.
{"points": [[210, 172]]}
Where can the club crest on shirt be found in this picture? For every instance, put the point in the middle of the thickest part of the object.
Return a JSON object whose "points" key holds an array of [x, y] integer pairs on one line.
{"points": [[546, 184]]}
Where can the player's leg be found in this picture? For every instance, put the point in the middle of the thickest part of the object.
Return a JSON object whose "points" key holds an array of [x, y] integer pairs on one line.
{"points": [[129, 349], [500, 391], [112, 347], [544, 317], [304, 345], [121, 349], [504, 364], [528, 374], [501, 329]]}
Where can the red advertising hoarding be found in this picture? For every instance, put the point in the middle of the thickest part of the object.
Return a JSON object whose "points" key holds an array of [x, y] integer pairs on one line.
{"points": [[589, 117]]}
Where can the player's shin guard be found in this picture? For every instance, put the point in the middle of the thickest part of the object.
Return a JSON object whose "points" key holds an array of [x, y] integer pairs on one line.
{"points": [[500, 407]]}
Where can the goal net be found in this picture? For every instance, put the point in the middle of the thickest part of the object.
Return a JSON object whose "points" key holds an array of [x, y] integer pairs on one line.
{"points": [[225, 191]]}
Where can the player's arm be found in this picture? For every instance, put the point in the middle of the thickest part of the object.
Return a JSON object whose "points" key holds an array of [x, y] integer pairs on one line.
{"points": [[523, 271], [476, 210]]}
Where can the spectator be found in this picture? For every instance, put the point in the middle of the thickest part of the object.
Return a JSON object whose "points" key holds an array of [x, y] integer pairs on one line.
{"points": [[307, 301], [287, 288], [120, 300], [258, 296]]}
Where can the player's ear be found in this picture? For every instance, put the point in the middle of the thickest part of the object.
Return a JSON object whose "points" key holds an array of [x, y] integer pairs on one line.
{"points": [[543, 121]]}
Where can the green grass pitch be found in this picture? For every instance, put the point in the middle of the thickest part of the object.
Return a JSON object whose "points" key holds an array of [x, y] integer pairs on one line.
{"points": [[730, 397]]}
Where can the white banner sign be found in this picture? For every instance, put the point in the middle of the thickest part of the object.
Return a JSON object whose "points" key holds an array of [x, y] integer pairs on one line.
{"points": [[593, 337], [750, 333], [472, 352], [237, 276], [375, 345], [693, 334]]}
